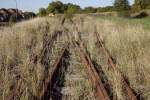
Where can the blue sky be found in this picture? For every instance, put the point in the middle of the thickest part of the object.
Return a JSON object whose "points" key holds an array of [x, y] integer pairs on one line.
{"points": [[34, 5]]}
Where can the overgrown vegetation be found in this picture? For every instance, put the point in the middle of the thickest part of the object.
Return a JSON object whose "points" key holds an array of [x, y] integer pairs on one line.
{"points": [[21, 58], [121, 5], [141, 4], [42, 12]]}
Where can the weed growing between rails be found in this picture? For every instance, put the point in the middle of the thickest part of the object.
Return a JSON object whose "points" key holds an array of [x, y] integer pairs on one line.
{"points": [[20, 49], [129, 45], [21, 56]]}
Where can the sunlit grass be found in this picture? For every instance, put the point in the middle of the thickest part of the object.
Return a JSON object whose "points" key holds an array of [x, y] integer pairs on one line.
{"points": [[128, 41]]}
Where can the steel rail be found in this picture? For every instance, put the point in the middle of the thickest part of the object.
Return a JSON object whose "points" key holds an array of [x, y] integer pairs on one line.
{"points": [[15, 91], [100, 93], [130, 92], [52, 71]]}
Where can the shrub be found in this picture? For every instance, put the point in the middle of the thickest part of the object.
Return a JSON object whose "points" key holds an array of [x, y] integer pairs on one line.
{"points": [[42, 12], [55, 7], [141, 4], [90, 10], [73, 9], [121, 5]]}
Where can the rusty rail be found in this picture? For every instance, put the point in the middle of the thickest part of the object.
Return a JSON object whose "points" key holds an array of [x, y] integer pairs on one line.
{"points": [[114, 68], [100, 92], [15, 91], [48, 42], [51, 74]]}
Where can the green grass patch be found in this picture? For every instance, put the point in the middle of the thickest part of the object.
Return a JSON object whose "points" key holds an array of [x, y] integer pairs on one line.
{"points": [[145, 22]]}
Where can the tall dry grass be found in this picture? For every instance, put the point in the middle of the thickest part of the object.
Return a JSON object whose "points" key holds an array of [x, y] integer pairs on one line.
{"points": [[129, 44], [20, 56]]}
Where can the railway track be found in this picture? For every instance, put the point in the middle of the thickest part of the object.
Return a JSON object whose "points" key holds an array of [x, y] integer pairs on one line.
{"points": [[67, 79], [100, 92], [47, 84], [130, 92], [51, 89], [73, 75], [54, 91], [48, 43]]}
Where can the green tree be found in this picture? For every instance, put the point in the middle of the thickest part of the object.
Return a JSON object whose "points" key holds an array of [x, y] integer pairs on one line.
{"points": [[56, 7], [121, 5], [42, 12], [141, 4], [71, 8], [28, 15], [90, 10], [105, 9]]}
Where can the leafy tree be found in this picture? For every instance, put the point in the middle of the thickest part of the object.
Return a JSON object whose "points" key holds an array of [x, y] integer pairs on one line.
{"points": [[71, 8], [56, 7], [141, 4], [64, 8], [29, 15], [121, 5], [90, 10], [42, 12], [105, 9]]}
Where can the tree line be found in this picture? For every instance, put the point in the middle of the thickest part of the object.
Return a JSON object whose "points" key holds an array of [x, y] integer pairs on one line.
{"points": [[58, 7]]}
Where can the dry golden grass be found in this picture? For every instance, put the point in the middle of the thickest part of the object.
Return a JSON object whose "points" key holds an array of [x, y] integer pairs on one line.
{"points": [[128, 44], [19, 46]]}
